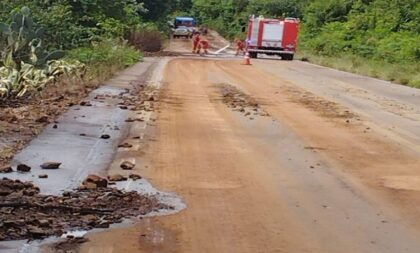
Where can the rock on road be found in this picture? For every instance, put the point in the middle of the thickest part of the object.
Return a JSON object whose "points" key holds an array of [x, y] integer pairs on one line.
{"points": [[335, 167]]}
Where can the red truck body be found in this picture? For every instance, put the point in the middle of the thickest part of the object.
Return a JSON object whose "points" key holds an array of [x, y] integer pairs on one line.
{"points": [[273, 37]]}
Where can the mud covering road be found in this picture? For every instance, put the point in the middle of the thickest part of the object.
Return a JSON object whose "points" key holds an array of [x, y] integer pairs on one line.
{"points": [[69, 180], [269, 158], [279, 157]]}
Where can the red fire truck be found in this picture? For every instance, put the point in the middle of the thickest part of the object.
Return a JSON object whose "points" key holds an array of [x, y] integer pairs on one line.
{"points": [[272, 37]]}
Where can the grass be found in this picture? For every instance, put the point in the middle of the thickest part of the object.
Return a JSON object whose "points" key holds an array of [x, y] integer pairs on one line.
{"points": [[404, 74], [104, 59]]}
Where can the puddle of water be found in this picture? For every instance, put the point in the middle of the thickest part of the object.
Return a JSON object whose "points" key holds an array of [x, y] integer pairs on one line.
{"points": [[145, 188]]}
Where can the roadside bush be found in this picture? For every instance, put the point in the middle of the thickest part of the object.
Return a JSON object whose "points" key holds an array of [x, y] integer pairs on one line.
{"points": [[146, 38], [75, 23], [405, 73], [104, 58], [106, 52]]}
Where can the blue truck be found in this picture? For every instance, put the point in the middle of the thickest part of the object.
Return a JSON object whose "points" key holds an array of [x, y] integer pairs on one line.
{"points": [[183, 27], [185, 21]]}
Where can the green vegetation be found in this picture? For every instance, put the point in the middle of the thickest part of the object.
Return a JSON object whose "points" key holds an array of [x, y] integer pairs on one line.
{"points": [[105, 58], [103, 35], [380, 38], [24, 64], [69, 24]]}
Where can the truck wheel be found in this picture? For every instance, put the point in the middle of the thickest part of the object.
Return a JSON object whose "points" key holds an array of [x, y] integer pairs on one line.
{"points": [[253, 55], [286, 57]]}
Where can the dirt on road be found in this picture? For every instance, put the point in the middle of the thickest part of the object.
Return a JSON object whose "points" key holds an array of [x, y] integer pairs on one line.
{"points": [[312, 175], [273, 157]]}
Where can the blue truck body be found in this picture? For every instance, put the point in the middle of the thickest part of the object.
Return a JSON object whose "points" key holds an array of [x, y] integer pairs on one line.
{"points": [[185, 21]]}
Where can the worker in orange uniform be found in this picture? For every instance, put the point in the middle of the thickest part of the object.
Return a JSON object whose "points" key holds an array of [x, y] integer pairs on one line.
{"points": [[203, 44], [196, 40], [240, 47]]}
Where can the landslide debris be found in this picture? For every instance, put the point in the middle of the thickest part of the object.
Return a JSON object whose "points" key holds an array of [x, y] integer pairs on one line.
{"points": [[323, 107], [23, 168], [23, 119], [239, 101], [162, 54], [126, 165], [50, 165], [6, 169], [27, 214], [142, 98]]}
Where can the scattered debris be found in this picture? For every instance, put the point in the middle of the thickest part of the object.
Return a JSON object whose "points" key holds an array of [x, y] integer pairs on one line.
{"points": [[125, 145], [241, 102], [94, 181], [43, 119], [320, 105], [69, 244], [127, 165], [314, 148], [6, 169], [24, 118], [23, 168], [105, 136], [50, 165], [85, 103], [162, 54], [26, 214], [134, 120], [135, 176], [117, 178]]}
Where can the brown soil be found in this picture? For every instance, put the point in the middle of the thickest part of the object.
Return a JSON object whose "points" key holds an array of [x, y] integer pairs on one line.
{"points": [[324, 107], [27, 214], [68, 245], [23, 119], [237, 100], [248, 191]]}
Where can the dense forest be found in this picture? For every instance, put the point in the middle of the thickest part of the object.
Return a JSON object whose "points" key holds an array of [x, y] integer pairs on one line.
{"points": [[380, 38], [388, 30], [43, 42]]}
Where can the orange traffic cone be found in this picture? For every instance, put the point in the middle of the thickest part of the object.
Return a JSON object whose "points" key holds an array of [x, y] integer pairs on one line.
{"points": [[247, 59]]}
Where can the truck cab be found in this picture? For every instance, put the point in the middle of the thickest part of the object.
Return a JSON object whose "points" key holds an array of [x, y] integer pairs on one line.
{"points": [[185, 22]]}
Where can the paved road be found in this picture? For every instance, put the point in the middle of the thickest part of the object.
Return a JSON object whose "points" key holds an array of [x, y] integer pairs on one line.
{"points": [[334, 168]]}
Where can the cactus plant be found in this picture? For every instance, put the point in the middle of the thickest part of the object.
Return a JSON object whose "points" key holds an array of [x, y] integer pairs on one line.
{"points": [[25, 65], [20, 42]]}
